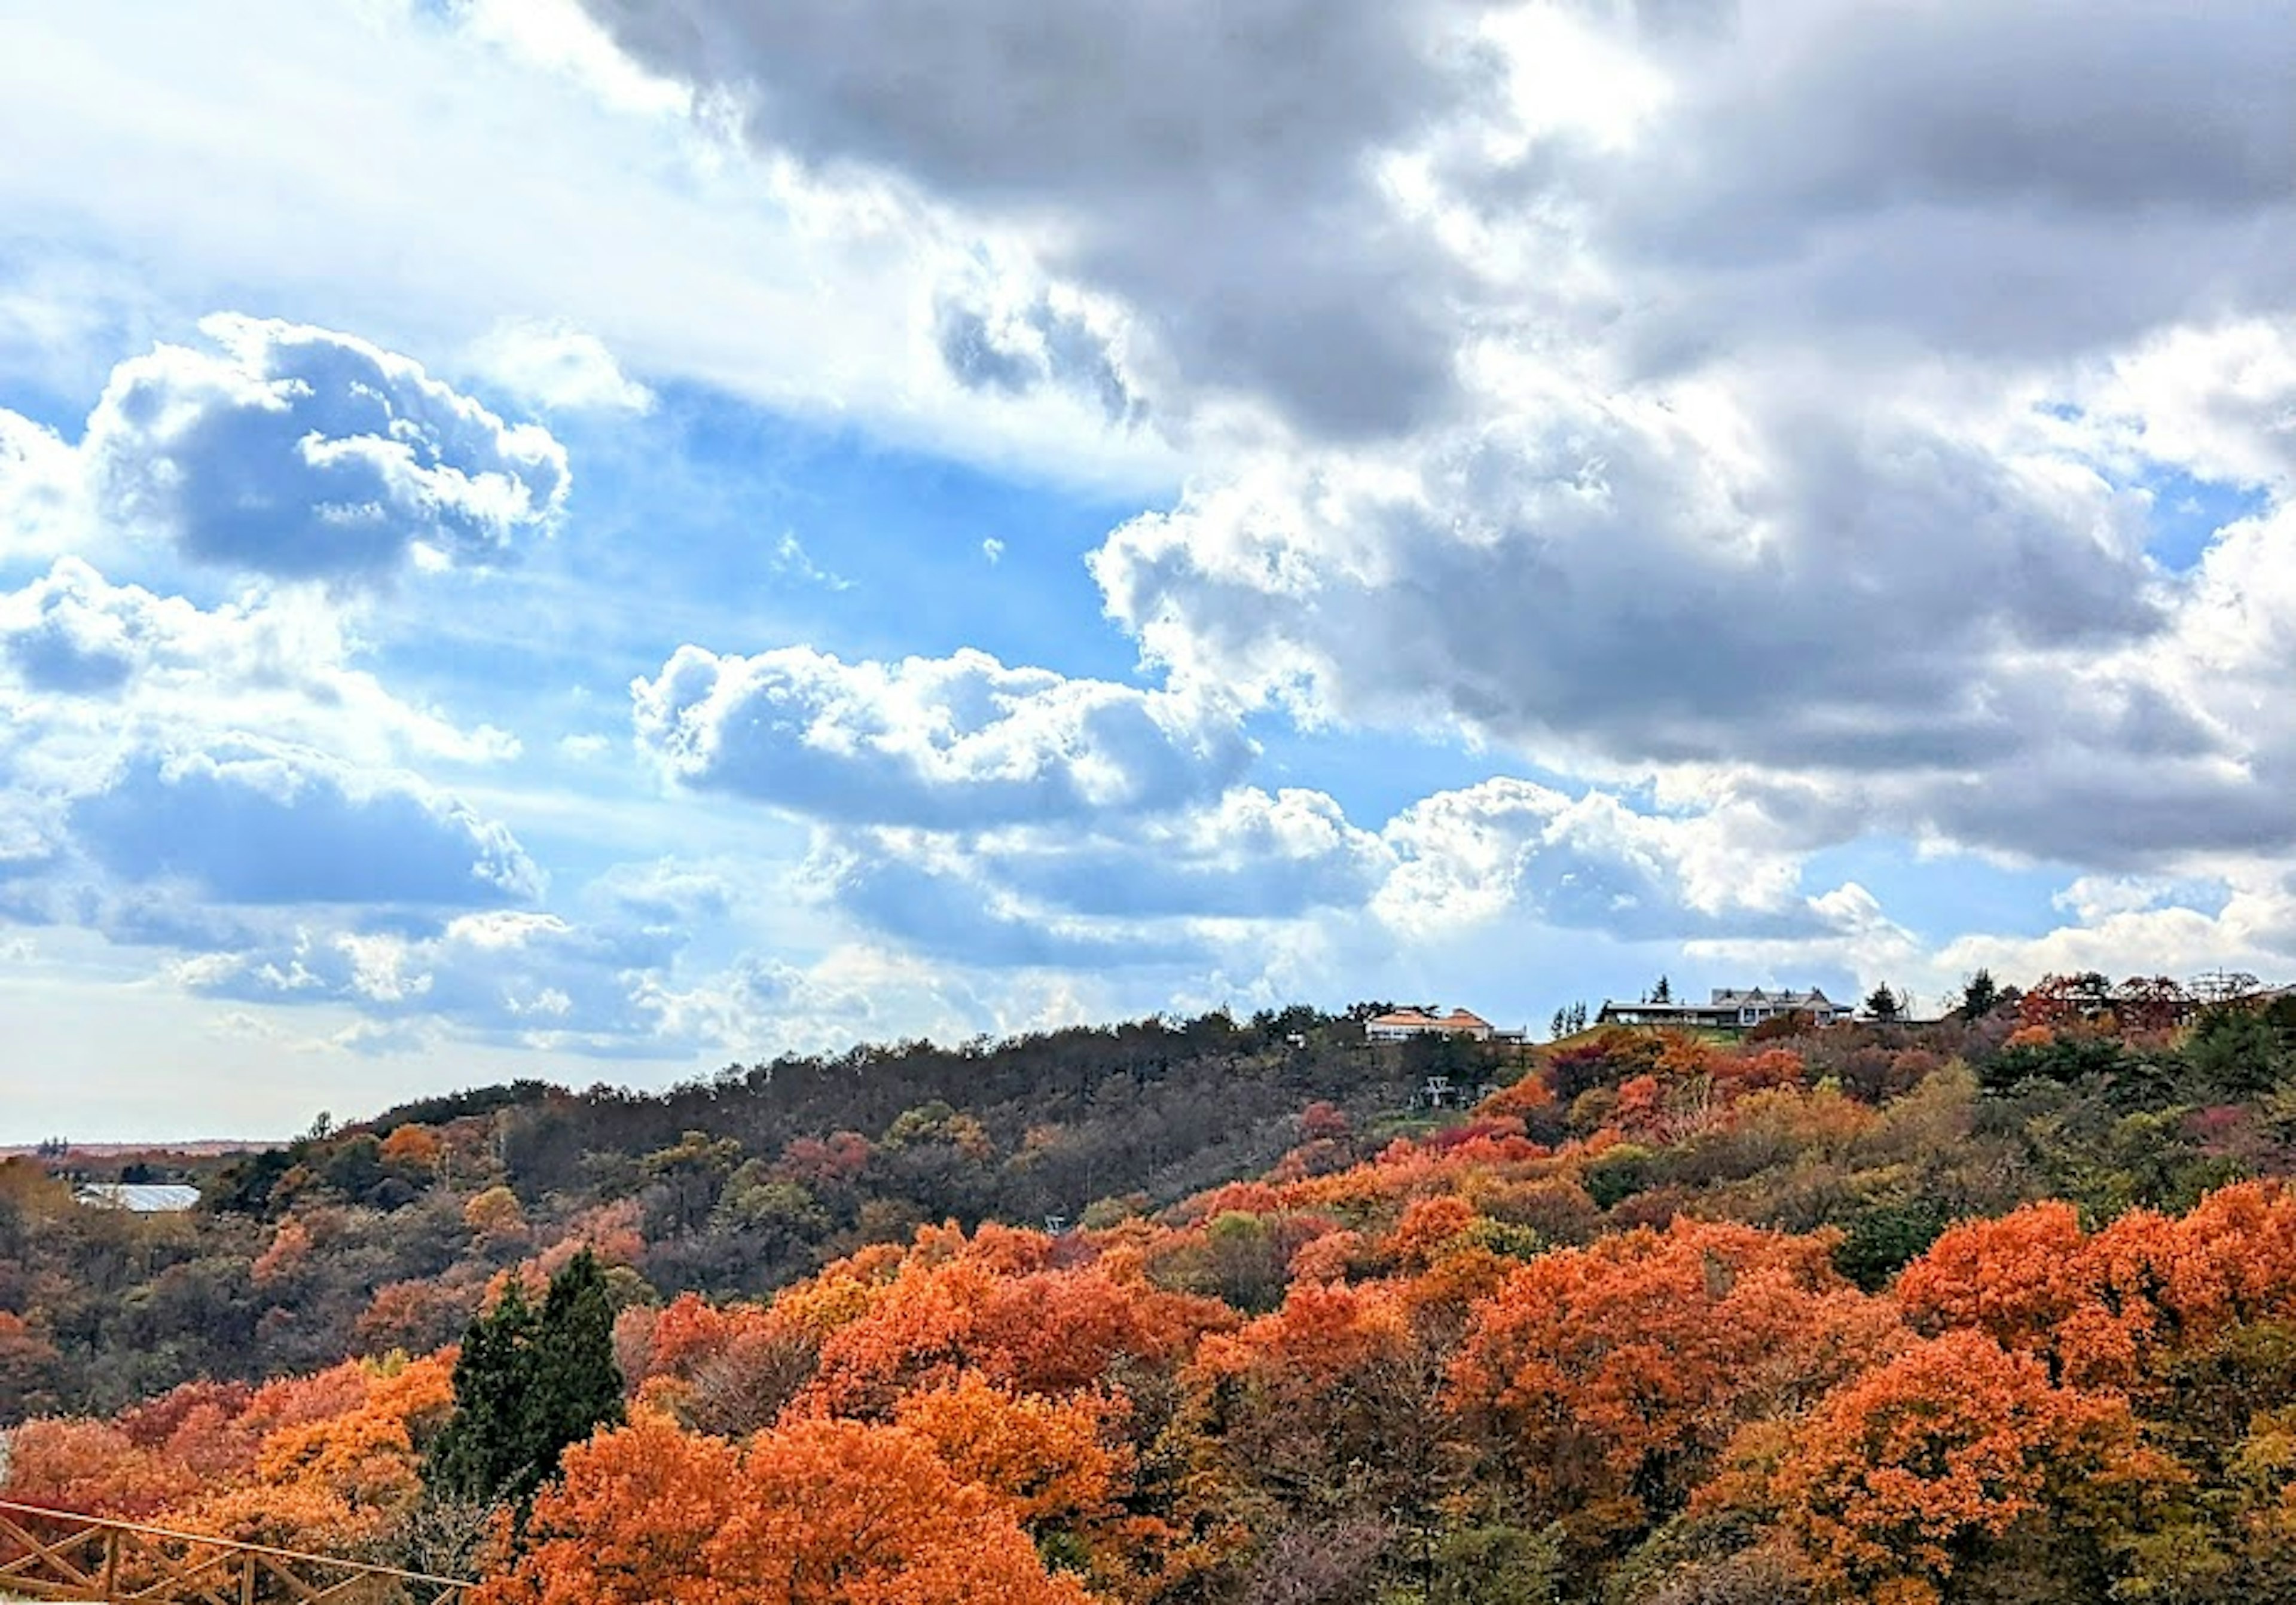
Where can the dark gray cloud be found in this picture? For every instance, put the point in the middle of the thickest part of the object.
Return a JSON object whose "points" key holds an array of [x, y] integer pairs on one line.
{"points": [[1584, 578], [306, 455], [2079, 106], [2029, 179], [1872, 620], [1213, 166], [1040, 345]]}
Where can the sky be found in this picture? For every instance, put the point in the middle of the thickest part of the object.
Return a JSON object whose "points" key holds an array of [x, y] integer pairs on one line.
{"points": [[605, 539]]}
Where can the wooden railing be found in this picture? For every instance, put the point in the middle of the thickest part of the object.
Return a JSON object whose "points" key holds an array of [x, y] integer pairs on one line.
{"points": [[59, 1555]]}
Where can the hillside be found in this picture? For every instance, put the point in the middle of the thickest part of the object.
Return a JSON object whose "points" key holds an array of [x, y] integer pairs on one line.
{"points": [[384, 1235], [2002, 1309]]}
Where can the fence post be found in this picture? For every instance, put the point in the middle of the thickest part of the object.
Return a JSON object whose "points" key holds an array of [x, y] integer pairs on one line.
{"points": [[111, 1562], [246, 1579]]}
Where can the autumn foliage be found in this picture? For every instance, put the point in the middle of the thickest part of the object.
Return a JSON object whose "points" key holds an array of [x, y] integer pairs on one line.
{"points": [[819, 1513], [1661, 1319], [1902, 1472]]}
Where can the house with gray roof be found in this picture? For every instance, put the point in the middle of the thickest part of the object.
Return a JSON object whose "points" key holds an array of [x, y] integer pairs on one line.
{"points": [[1728, 1009]]}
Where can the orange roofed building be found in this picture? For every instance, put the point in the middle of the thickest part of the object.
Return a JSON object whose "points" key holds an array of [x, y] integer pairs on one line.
{"points": [[1405, 1024]]}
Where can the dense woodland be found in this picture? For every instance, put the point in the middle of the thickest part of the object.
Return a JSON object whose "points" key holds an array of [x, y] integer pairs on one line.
{"points": [[1999, 1308]]}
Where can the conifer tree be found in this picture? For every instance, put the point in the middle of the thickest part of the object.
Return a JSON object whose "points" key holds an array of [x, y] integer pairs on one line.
{"points": [[482, 1450], [576, 1387], [529, 1383]]}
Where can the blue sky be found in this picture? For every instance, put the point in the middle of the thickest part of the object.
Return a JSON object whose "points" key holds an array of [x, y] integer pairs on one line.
{"points": [[601, 540]]}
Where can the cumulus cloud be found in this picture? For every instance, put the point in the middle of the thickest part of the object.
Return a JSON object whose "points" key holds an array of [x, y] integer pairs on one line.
{"points": [[955, 742], [1258, 888], [1514, 848], [1868, 622], [302, 454], [764, 1005], [1011, 819], [1146, 893], [1693, 576], [932, 897]]}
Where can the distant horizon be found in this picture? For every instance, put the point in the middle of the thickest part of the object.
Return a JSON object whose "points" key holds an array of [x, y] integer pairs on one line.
{"points": [[1531, 1032]]}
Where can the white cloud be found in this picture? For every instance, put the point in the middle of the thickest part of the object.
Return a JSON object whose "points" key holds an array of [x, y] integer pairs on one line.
{"points": [[2214, 399], [41, 508], [302, 454], [557, 366], [2180, 942], [854, 992], [790, 558], [1249, 856], [961, 740], [560, 36], [92, 666], [1510, 847]]}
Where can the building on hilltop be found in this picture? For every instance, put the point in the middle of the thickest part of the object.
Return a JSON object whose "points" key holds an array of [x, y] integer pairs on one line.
{"points": [[1405, 1024], [138, 1198], [1728, 1009]]}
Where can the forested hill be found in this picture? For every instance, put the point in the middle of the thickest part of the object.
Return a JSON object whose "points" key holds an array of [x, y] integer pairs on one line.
{"points": [[1998, 1309], [384, 1233]]}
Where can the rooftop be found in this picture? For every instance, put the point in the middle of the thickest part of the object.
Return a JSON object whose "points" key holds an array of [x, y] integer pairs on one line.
{"points": [[140, 1197]]}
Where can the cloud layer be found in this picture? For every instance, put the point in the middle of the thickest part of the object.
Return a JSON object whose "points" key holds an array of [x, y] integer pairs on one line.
{"points": [[1734, 487]]}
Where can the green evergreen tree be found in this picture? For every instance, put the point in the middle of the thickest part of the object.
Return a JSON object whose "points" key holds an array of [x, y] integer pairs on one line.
{"points": [[482, 1450], [576, 1387], [528, 1383]]}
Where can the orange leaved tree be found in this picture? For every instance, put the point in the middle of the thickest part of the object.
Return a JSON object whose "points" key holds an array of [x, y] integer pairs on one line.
{"points": [[1611, 1375], [1906, 1473], [819, 1512]]}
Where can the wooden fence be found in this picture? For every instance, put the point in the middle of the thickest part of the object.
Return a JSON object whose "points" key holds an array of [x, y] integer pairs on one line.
{"points": [[59, 1555]]}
